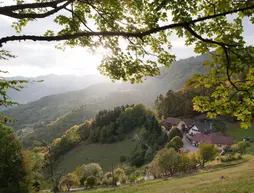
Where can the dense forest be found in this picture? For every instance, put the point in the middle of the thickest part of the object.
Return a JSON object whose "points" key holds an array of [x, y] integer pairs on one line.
{"points": [[177, 104]]}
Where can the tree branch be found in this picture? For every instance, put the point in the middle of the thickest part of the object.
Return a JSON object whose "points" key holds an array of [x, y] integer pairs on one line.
{"points": [[225, 49], [35, 15], [30, 6], [83, 22], [188, 28], [123, 34]]}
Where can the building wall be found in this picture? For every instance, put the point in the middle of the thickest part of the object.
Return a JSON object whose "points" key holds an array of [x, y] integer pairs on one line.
{"points": [[193, 130], [180, 125]]}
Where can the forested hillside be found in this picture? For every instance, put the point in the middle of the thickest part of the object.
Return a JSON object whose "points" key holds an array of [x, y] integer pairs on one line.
{"points": [[182, 70], [41, 112], [135, 126], [59, 110]]}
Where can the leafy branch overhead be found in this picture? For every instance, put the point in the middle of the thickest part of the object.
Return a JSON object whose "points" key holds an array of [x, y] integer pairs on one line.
{"points": [[136, 37]]}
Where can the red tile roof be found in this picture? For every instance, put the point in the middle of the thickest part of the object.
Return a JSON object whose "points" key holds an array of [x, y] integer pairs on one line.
{"points": [[189, 122], [199, 137], [170, 121], [214, 138], [222, 140]]}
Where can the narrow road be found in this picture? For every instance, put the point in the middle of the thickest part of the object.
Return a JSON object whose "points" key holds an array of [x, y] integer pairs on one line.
{"points": [[187, 146]]}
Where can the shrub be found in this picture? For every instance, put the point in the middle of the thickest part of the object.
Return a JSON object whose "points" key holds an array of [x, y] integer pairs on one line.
{"points": [[240, 147], [243, 146], [138, 158], [177, 142], [69, 181], [226, 158], [226, 149], [237, 156], [123, 180], [140, 180], [162, 139], [170, 145], [118, 173], [193, 158], [91, 181], [104, 182], [230, 157], [122, 158], [218, 158], [108, 175], [174, 132], [132, 178], [184, 164], [129, 170], [92, 169], [110, 181], [107, 181], [223, 159]]}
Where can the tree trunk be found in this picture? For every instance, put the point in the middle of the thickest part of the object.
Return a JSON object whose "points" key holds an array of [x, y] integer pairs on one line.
{"points": [[114, 183], [55, 189]]}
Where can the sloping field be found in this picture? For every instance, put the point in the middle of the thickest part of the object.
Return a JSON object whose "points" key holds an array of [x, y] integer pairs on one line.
{"points": [[104, 154]]}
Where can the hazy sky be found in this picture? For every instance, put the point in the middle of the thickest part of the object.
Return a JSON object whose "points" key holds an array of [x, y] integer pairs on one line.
{"points": [[40, 58]]}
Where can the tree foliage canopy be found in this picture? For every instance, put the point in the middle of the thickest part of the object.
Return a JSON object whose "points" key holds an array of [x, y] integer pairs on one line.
{"points": [[135, 35], [177, 142], [69, 180], [166, 161], [174, 132], [14, 163], [176, 104], [6, 84], [92, 169], [206, 152]]}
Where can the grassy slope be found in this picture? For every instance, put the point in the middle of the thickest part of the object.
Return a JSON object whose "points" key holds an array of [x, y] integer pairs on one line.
{"points": [[108, 154], [104, 154], [238, 133], [238, 179]]}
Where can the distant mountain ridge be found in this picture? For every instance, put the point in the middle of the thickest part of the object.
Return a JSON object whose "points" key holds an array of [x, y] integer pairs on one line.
{"points": [[52, 84]]}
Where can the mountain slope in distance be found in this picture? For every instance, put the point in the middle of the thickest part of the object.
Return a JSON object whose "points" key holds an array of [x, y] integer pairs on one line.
{"points": [[35, 116], [51, 84]]}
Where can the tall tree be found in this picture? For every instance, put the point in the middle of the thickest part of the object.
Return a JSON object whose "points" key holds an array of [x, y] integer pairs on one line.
{"points": [[14, 164], [145, 27], [166, 161], [206, 152]]}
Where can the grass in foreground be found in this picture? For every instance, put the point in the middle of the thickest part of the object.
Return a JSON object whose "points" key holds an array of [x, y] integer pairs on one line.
{"points": [[104, 154], [238, 179]]}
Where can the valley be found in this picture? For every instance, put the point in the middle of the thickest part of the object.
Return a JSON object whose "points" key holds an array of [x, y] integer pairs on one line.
{"points": [[36, 118]]}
